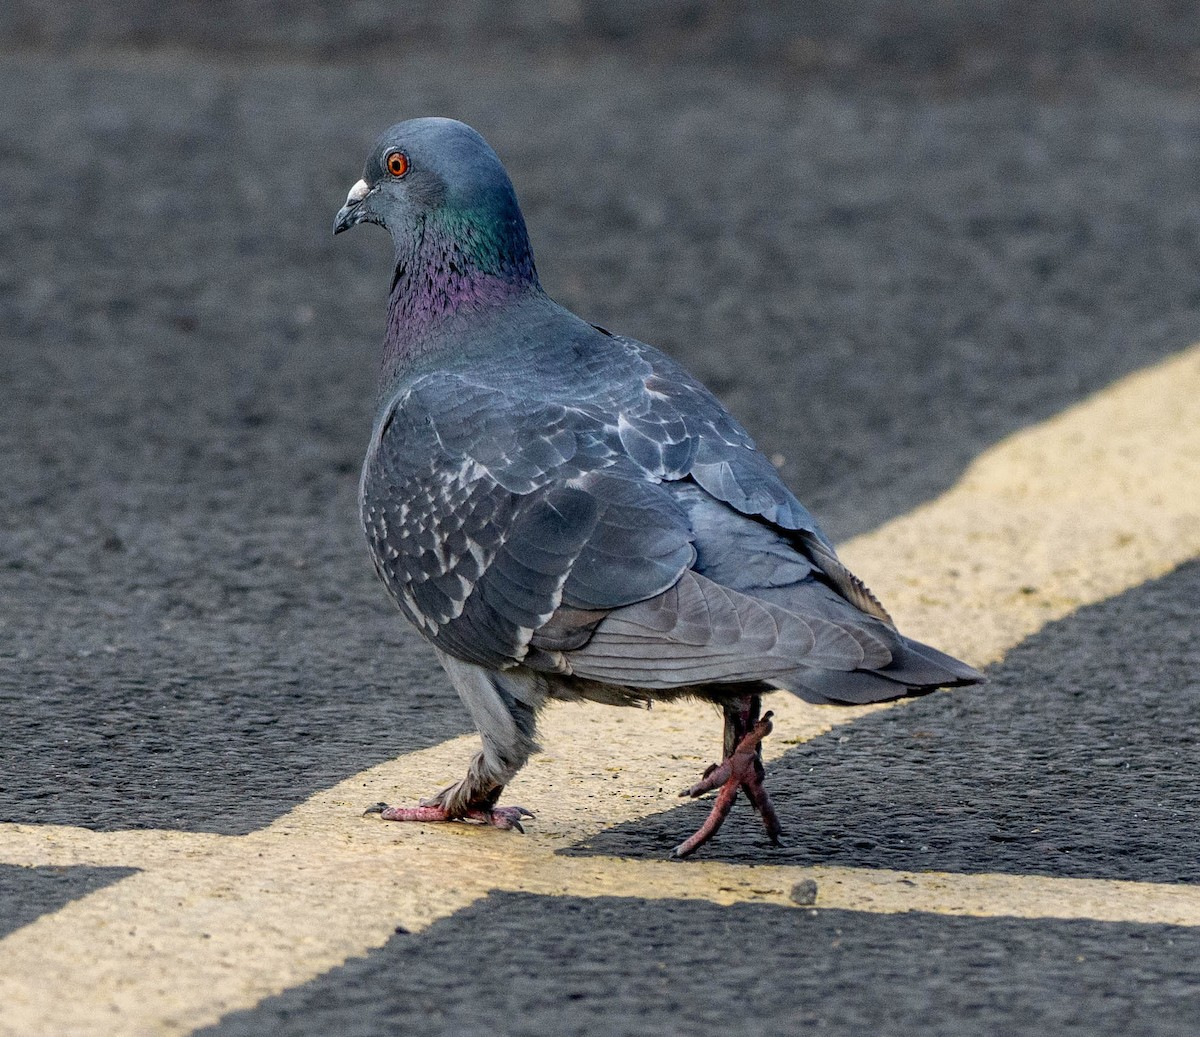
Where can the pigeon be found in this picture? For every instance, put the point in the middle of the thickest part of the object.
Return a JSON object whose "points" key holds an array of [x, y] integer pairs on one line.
{"points": [[564, 513]]}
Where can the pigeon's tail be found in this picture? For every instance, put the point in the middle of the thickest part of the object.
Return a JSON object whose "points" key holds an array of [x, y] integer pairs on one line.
{"points": [[915, 669]]}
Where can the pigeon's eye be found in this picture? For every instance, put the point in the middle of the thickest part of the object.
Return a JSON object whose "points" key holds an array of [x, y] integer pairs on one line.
{"points": [[396, 163]]}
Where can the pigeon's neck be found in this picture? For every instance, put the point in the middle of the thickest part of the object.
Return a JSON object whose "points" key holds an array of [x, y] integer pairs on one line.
{"points": [[455, 265]]}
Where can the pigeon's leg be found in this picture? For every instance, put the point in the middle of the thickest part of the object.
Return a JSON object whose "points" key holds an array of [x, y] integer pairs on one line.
{"points": [[503, 706], [742, 768]]}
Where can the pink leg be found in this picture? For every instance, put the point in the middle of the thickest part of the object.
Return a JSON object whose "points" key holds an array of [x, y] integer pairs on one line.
{"points": [[742, 769], [497, 817], [472, 799]]}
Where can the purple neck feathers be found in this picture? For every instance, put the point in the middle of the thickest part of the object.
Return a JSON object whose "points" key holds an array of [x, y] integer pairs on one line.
{"points": [[455, 264]]}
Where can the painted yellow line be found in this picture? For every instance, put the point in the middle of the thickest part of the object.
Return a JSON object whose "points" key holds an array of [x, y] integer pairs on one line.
{"points": [[1099, 499], [1091, 503], [877, 890]]}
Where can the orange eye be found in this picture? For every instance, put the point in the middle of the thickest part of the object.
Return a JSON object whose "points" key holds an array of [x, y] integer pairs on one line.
{"points": [[396, 163]]}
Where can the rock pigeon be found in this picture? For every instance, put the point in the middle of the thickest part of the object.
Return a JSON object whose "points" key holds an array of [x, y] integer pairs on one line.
{"points": [[565, 513]]}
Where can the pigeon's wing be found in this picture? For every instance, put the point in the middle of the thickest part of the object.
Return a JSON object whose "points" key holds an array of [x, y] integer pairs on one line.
{"points": [[754, 608], [676, 428], [700, 632], [751, 608], [511, 528], [677, 410], [487, 511], [768, 596]]}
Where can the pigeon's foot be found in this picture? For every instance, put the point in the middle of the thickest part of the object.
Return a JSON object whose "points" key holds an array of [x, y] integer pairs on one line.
{"points": [[742, 769], [498, 817], [472, 799]]}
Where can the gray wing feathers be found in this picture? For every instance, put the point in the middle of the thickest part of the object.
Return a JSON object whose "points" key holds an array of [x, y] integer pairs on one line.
{"points": [[701, 632], [630, 535], [487, 511], [761, 604], [639, 547], [850, 586], [715, 450]]}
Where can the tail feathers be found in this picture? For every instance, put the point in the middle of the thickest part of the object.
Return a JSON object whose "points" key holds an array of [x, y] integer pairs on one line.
{"points": [[914, 670], [920, 664], [826, 687]]}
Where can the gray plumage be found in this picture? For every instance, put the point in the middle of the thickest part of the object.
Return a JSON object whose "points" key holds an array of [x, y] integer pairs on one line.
{"points": [[566, 513]]}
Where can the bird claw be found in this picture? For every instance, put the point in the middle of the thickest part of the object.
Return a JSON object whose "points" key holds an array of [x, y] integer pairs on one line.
{"points": [[504, 818]]}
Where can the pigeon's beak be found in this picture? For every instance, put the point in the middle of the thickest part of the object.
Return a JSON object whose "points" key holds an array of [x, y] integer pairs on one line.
{"points": [[352, 212]]}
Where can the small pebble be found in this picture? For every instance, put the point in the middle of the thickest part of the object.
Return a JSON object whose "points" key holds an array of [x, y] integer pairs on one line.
{"points": [[805, 893]]}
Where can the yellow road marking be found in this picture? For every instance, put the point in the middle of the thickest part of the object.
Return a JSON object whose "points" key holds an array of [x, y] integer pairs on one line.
{"points": [[1098, 499], [1073, 511]]}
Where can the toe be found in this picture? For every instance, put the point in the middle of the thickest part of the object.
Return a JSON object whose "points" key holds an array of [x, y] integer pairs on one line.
{"points": [[509, 818]]}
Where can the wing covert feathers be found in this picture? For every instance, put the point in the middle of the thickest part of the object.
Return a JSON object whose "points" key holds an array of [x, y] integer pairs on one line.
{"points": [[580, 504]]}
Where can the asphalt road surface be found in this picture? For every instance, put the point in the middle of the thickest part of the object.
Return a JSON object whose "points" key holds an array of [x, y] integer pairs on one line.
{"points": [[885, 262]]}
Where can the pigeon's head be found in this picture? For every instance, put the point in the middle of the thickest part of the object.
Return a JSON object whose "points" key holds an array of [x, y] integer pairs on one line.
{"points": [[437, 178]]}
